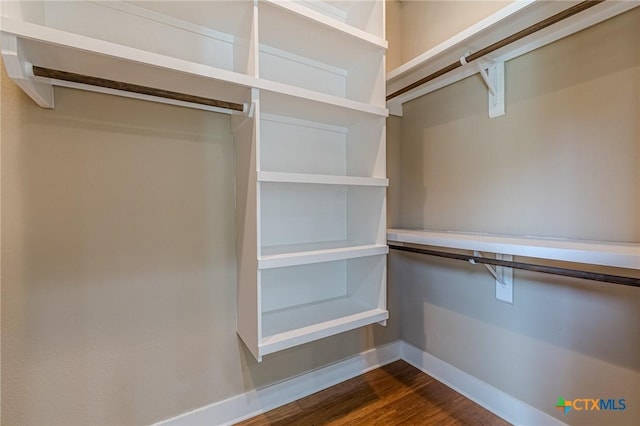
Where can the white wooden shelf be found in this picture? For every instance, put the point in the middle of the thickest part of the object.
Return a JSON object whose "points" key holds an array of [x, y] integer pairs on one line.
{"points": [[321, 179], [286, 99], [61, 50], [327, 251], [302, 324], [620, 255], [507, 21], [183, 49]]}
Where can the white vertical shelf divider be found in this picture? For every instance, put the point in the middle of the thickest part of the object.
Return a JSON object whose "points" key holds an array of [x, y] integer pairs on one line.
{"points": [[318, 171]]}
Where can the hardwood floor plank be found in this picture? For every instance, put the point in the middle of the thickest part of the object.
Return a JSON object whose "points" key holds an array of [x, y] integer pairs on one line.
{"points": [[396, 394]]}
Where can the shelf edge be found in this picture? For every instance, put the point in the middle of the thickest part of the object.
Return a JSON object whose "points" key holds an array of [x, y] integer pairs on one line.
{"points": [[283, 177], [288, 339], [320, 256], [312, 95], [622, 255]]}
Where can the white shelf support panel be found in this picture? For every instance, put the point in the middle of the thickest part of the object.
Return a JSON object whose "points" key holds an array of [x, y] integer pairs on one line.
{"points": [[21, 71], [507, 34], [504, 286], [503, 276], [625, 256], [493, 77]]}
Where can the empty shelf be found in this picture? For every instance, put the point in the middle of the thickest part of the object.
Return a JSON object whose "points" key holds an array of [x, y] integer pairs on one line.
{"points": [[301, 254], [321, 179], [301, 324]]}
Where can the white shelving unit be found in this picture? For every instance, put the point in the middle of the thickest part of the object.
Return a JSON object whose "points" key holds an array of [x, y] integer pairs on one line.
{"points": [[310, 141], [619, 255], [105, 40], [514, 17], [316, 189]]}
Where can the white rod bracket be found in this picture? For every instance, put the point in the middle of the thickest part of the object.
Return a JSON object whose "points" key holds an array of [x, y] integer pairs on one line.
{"points": [[504, 289], [20, 71], [503, 276], [493, 77], [250, 111]]}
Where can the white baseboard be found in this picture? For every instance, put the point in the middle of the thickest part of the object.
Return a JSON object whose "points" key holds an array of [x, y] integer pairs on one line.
{"points": [[493, 399], [250, 404]]}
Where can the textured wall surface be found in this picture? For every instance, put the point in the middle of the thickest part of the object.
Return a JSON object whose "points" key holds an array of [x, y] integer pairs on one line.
{"points": [[118, 265], [563, 162]]}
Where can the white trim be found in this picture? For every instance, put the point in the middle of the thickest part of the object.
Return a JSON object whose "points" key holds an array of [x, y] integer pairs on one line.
{"points": [[493, 399], [253, 403], [250, 404]]}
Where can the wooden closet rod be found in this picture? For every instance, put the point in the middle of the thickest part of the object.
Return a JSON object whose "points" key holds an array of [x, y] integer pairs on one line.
{"points": [[501, 43], [593, 276], [134, 88]]}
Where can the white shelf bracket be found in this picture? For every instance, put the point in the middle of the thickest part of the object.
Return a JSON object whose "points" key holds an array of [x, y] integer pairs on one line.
{"points": [[21, 72], [503, 276], [250, 113], [493, 76]]}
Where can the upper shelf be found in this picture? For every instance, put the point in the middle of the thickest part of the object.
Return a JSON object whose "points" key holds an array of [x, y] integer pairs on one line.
{"points": [[507, 21], [281, 99], [620, 255], [25, 43], [200, 49]]}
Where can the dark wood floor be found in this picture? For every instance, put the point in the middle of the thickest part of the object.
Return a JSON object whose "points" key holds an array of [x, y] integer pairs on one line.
{"points": [[396, 394]]}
